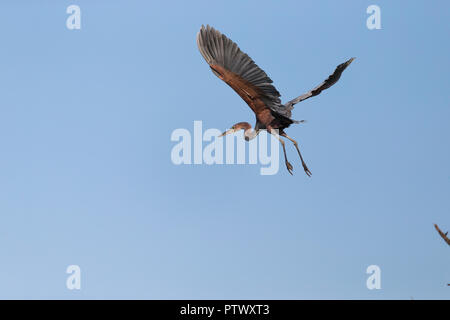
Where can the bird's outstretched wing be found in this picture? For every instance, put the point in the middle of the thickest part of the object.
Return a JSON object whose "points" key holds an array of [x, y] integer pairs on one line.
{"points": [[237, 69], [332, 79]]}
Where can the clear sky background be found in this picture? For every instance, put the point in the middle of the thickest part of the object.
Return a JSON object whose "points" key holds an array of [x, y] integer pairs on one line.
{"points": [[86, 176]]}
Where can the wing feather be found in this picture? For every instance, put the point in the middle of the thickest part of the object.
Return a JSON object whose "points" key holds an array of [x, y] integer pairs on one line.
{"points": [[217, 49], [331, 80]]}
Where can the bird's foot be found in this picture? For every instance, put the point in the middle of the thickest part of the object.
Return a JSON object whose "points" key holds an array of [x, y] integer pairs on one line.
{"points": [[289, 167], [308, 173]]}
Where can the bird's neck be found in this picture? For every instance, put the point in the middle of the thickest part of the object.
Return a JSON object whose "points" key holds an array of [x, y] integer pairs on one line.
{"points": [[250, 134]]}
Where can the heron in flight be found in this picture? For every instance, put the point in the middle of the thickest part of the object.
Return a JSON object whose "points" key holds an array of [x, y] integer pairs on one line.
{"points": [[253, 85]]}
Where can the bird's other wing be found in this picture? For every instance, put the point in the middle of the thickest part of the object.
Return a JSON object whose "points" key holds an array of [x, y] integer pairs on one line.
{"points": [[236, 68], [332, 79]]}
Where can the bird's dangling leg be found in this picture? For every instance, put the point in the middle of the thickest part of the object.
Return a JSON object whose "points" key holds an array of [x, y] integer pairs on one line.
{"points": [[288, 165], [299, 153]]}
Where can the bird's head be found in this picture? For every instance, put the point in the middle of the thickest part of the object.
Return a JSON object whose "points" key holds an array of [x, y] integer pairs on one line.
{"points": [[238, 126]]}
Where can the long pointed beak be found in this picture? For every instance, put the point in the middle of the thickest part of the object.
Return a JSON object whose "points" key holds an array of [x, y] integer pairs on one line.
{"points": [[227, 132]]}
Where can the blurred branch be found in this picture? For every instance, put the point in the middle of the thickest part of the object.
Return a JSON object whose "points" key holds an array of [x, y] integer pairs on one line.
{"points": [[443, 235]]}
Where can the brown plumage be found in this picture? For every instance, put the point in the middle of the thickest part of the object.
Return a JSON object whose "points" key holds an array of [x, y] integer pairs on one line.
{"points": [[253, 85]]}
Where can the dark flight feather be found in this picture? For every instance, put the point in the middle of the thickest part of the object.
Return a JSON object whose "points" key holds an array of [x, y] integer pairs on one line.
{"points": [[331, 80], [217, 49]]}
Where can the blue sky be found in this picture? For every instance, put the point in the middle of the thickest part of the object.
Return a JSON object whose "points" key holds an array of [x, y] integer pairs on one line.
{"points": [[86, 176]]}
